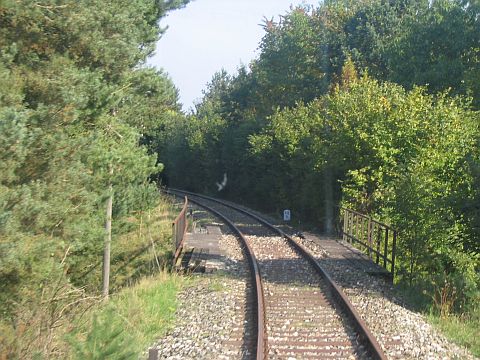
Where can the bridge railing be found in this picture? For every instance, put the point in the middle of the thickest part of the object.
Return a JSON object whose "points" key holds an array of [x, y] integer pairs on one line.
{"points": [[179, 230], [377, 240]]}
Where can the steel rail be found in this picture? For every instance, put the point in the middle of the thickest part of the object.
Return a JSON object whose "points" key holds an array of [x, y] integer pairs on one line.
{"points": [[255, 271], [370, 342]]}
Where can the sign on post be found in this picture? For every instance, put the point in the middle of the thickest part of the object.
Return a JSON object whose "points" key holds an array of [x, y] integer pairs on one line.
{"points": [[286, 215]]}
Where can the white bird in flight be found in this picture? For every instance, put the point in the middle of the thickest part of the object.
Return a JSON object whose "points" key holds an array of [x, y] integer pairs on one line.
{"points": [[222, 185]]}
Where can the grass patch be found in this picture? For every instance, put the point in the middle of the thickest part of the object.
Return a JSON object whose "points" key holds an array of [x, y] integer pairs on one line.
{"points": [[463, 331], [132, 320], [215, 285], [137, 315], [55, 314], [146, 248]]}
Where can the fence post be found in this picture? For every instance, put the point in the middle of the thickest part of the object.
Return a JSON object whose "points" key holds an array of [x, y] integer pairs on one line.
{"points": [[369, 236], [349, 224], [174, 237], [394, 247], [370, 233], [179, 229], [385, 251]]}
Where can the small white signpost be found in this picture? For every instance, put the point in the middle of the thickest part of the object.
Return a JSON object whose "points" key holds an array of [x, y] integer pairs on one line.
{"points": [[286, 215]]}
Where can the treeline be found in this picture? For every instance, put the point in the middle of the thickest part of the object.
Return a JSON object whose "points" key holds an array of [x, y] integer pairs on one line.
{"points": [[78, 114], [369, 104]]}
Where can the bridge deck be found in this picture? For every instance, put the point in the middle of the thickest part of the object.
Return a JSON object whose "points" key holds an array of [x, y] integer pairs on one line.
{"points": [[339, 249]]}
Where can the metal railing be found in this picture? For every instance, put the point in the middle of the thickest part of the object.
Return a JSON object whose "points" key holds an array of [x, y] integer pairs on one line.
{"points": [[179, 229], [377, 240]]}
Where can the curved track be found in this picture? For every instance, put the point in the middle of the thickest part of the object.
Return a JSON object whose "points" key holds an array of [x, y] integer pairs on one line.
{"points": [[301, 312]]}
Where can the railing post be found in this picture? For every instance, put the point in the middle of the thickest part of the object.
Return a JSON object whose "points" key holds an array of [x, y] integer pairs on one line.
{"points": [[394, 247], [174, 237], [350, 226], [385, 251], [356, 226], [179, 229], [361, 236], [370, 233], [369, 236]]}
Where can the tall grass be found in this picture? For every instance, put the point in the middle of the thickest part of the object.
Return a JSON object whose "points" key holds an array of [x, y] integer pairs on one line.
{"points": [[147, 248], [463, 330], [130, 321], [142, 306]]}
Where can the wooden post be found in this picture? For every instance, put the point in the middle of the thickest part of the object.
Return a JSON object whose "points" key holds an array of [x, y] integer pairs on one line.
{"points": [[107, 243], [394, 249], [357, 227]]}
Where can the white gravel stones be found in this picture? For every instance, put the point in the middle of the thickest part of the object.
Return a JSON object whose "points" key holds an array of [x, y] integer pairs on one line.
{"points": [[212, 318]]}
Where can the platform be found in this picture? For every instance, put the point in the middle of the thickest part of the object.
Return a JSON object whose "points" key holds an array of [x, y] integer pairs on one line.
{"points": [[202, 251]]}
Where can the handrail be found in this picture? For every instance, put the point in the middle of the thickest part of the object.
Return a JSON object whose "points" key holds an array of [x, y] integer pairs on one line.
{"points": [[378, 239], [179, 230]]}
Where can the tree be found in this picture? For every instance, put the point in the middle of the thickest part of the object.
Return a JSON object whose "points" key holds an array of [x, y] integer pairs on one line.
{"points": [[437, 48], [72, 109]]}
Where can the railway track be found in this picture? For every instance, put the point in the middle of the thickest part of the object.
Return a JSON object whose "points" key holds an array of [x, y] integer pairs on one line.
{"points": [[299, 311]]}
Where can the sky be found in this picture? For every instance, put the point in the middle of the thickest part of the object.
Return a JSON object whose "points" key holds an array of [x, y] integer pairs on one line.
{"points": [[208, 35]]}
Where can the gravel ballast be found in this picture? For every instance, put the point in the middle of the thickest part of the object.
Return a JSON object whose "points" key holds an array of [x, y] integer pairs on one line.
{"points": [[402, 333], [214, 319]]}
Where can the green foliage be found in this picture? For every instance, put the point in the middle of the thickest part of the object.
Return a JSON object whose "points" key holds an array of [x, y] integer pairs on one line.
{"points": [[437, 47], [107, 339], [131, 321], [78, 111], [463, 330], [403, 156]]}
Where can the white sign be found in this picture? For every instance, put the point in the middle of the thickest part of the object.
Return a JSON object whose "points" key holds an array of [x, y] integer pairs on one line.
{"points": [[286, 215]]}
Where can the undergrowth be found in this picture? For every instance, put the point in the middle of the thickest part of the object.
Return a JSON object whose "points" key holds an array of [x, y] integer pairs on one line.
{"points": [[54, 313], [132, 319], [462, 329]]}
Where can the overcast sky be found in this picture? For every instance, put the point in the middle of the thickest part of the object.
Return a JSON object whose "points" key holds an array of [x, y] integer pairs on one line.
{"points": [[209, 35]]}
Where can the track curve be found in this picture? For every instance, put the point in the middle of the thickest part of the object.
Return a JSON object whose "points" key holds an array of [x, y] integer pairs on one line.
{"points": [[317, 302]]}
